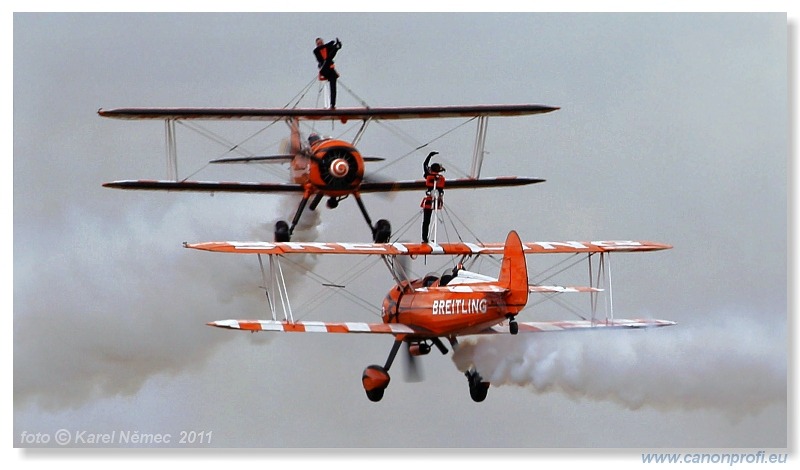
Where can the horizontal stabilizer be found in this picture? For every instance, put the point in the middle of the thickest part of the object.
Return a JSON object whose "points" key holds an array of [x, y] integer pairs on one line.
{"points": [[544, 327], [562, 289]]}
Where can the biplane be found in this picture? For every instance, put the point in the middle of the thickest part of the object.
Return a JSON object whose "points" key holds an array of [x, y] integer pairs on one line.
{"points": [[322, 168], [425, 313]]}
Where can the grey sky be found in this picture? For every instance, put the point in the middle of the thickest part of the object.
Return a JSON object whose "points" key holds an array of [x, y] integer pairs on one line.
{"points": [[673, 128]]}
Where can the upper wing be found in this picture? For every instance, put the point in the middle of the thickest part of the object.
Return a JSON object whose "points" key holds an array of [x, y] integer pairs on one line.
{"points": [[206, 186], [343, 114], [460, 183], [279, 248]]}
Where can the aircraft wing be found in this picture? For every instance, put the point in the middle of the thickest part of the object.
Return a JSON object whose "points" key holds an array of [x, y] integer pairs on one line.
{"points": [[338, 114], [399, 328], [206, 186], [548, 326], [413, 249], [315, 327], [460, 183], [253, 187]]}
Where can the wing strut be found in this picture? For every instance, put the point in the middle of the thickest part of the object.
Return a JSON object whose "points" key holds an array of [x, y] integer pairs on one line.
{"points": [[267, 286], [172, 150], [603, 278], [436, 206], [361, 131], [480, 143], [610, 289], [398, 269], [275, 288]]}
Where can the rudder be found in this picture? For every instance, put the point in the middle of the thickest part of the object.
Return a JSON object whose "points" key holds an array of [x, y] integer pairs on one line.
{"points": [[514, 273]]}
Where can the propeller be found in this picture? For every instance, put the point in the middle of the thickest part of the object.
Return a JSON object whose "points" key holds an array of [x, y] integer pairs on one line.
{"points": [[413, 371], [375, 178]]}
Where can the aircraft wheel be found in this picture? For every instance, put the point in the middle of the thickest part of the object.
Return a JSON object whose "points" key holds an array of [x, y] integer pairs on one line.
{"points": [[478, 392], [477, 388], [383, 231], [513, 327], [375, 379], [282, 231], [375, 395]]}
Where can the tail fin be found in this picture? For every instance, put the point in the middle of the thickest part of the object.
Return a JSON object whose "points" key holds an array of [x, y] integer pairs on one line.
{"points": [[514, 273]]}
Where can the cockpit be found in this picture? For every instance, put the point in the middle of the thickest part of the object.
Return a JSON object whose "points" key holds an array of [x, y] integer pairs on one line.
{"points": [[429, 279]]}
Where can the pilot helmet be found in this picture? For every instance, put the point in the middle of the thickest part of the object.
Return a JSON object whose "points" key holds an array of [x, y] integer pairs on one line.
{"points": [[437, 168], [313, 138]]}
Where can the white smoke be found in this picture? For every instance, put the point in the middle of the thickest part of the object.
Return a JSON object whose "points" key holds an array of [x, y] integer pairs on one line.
{"points": [[102, 306], [731, 365]]}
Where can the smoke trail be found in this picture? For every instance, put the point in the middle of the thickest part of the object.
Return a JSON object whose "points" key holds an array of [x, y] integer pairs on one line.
{"points": [[101, 306], [732, 365]]}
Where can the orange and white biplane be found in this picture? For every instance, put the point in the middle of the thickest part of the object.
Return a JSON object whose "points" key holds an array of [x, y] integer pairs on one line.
{"points": [[424, 313], [321, 168]]}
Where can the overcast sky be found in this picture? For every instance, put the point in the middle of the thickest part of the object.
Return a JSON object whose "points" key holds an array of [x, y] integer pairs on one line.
{"points": [[672, 128]]}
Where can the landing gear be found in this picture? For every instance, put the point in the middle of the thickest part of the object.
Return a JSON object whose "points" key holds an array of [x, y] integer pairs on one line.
{"points": [[478, 389], [381, 232], [375, 378], [513, 326], [333, 202], [282, 231]]}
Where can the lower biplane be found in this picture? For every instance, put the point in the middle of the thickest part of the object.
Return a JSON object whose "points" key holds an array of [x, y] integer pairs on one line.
{"points": [[425, 313], [321, 168]]}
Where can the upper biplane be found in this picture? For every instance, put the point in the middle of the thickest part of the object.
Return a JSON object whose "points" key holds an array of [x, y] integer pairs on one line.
{"points": [[423, 313], [322, 168]]}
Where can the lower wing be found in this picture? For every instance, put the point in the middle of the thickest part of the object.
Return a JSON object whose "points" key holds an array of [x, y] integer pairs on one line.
{"points": [[314, 327], [460, 183], [365, 187], [206, 186], [399, 328]]}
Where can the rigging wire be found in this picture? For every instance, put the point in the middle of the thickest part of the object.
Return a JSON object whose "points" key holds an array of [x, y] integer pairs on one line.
{"points": [[351, 275], [301, 94], [421, 146], [230, 146]]}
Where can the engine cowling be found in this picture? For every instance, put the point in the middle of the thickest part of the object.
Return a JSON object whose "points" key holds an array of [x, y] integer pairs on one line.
{"points": [[338, 167]]}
